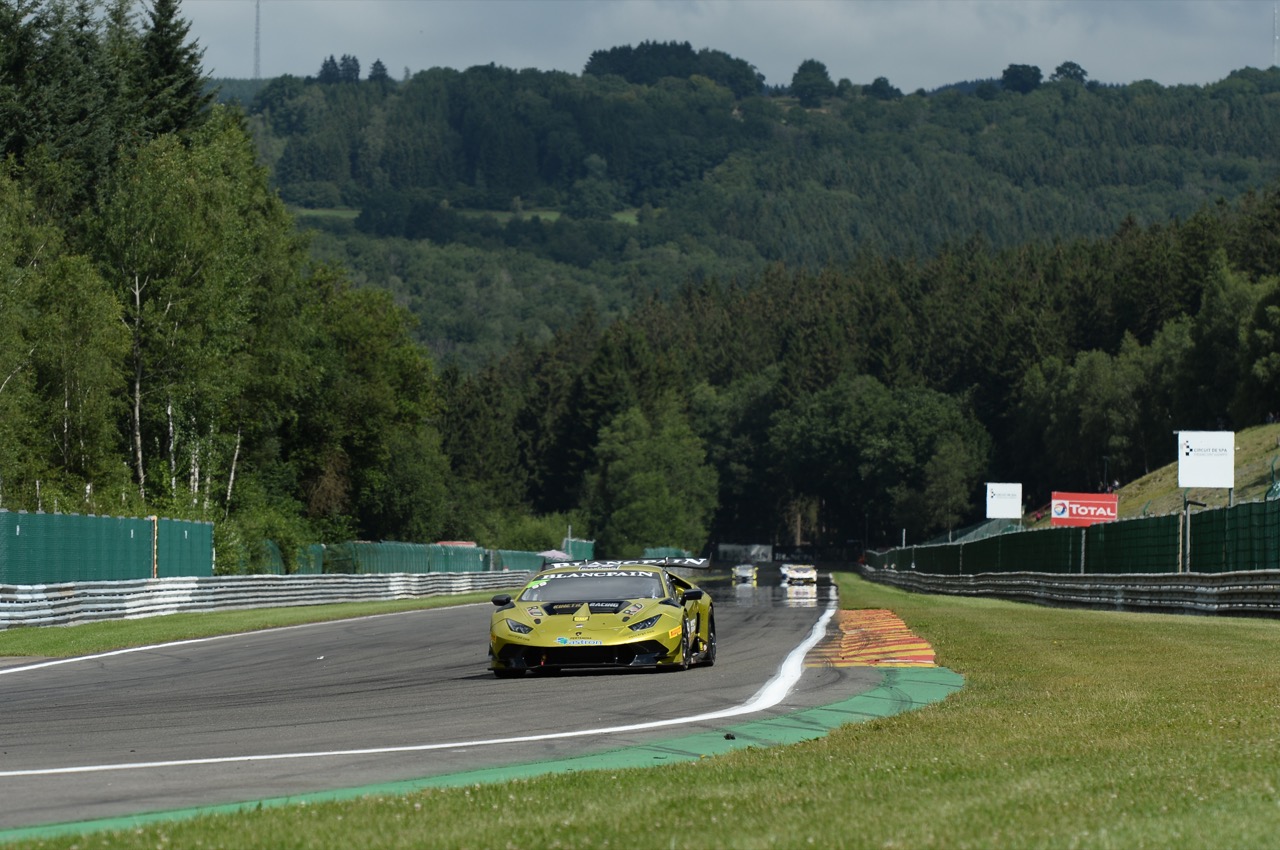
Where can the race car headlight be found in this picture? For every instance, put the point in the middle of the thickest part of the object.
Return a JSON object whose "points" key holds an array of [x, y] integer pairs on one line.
{"points": [[645, 624], [519, 628]]}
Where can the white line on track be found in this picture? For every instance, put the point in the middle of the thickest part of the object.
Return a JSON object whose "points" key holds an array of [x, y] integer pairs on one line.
{"points": [[773, 692]]}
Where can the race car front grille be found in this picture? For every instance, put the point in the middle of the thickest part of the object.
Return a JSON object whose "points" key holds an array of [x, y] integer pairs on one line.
{"points": [[643, 654]]}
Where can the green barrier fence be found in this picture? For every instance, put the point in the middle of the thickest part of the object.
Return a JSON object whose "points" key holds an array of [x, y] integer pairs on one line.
{"points": [[508, 559], [184, 548], [943, 560], [44, 548], [579, 550], [382, 558], [1238, 538], [1049, 550], [392, 557], [1148, 545], [666, 552]]}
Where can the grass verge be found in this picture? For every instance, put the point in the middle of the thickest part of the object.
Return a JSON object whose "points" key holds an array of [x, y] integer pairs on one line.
{"points": [[1075, 729]]}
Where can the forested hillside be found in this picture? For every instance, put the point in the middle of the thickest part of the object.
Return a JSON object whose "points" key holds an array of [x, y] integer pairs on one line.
{"points": [[693, 339], [861, 303], [660, 164]]}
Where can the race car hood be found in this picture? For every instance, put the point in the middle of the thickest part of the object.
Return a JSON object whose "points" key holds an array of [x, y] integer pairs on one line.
{"points": [[599, 614], [602, 621]]}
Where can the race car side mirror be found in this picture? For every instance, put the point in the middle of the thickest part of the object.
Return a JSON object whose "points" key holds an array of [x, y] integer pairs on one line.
{"points": [[501, 599], [692, 595]]}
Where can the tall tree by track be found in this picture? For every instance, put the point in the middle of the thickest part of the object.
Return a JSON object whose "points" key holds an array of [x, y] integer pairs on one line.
{"points": [[172, 83]]}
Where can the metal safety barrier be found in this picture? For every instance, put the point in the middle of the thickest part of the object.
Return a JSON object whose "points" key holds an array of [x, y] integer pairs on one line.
{"points": [[80, 602], [1253, 593]]}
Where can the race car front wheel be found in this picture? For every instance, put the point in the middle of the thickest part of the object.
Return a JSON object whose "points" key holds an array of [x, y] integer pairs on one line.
{"points": [[686, 645]]}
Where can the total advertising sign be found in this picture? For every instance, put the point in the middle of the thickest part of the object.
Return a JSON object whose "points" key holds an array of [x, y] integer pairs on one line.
{"points": [[1207, 459], [1082, 508], [1004, 501]]}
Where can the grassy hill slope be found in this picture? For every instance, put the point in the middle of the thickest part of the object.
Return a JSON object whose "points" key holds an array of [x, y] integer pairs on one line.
{"points": [[1158, 493]]}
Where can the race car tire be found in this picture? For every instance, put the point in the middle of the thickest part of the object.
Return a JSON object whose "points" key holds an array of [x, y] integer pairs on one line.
{"points": [[709, 654], [686, 646]]}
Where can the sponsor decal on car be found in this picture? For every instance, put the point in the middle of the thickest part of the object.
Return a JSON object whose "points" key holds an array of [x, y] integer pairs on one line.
{"points": [[674, 633], [598, 573], [564, 641], [556, 608]]}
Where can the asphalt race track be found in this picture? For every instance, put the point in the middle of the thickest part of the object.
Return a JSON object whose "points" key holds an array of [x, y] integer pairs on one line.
{"points": [[358, 702]]}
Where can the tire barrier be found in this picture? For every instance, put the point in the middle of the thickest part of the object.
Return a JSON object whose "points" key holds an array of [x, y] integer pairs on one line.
{"points": [[1249, 593], [80, 602]]}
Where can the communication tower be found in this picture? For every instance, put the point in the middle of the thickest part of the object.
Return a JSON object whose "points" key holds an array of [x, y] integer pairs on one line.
{"points": [[257, 39]]}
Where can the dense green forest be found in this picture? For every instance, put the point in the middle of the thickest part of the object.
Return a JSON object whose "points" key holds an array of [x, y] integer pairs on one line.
{"points": [[508, 195], [663, 309], [166, 344]]}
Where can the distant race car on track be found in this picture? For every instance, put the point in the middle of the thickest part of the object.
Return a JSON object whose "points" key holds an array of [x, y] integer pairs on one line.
{"points": [[604, 614], [799, 574], [744, 573]]}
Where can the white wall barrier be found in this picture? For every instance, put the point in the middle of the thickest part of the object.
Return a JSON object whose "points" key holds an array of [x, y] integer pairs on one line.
{"points": [[81, 602]]}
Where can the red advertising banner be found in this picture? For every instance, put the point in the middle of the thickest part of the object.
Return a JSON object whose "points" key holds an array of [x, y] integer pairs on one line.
{"points": [[1083, 508]]}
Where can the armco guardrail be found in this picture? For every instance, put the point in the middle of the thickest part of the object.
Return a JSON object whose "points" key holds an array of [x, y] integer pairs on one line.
{"points": [[80, 602], [1254, 592]]}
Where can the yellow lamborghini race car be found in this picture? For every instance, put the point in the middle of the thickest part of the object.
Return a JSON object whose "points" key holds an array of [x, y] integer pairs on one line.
{"points": [[604, 614]]}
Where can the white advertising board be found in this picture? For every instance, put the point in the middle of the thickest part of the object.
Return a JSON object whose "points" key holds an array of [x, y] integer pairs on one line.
{"points": [[1207, 459], [1004, 501]]}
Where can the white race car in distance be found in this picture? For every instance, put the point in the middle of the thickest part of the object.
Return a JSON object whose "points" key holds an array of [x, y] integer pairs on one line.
{"points": [[799, 574]]}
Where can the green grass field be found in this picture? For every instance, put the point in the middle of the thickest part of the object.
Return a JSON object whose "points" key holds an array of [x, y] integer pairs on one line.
{"points": [[1075, 729]]}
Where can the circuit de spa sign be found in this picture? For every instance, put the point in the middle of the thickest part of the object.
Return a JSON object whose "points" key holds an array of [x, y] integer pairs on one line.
{"points": [[1004, 501], [1083, 508], [1207, 459]]}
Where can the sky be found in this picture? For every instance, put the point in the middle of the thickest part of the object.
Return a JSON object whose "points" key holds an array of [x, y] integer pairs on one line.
{"points": [[914, 43]]}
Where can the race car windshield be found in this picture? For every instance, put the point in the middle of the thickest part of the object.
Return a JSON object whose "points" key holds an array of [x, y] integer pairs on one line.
{"points": [[588, 588]]}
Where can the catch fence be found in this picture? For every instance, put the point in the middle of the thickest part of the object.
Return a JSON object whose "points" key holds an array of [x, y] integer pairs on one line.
{"points": [[1239, 538], [388, 557], [39, 548]]}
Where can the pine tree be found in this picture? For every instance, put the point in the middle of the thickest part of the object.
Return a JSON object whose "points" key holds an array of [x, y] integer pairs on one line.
{"points": [[18, 55], [329, 71], [349, 69], [172, 83]]}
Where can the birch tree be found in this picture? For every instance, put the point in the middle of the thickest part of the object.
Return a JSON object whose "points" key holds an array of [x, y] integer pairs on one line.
{"points": [[193, 243]]}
